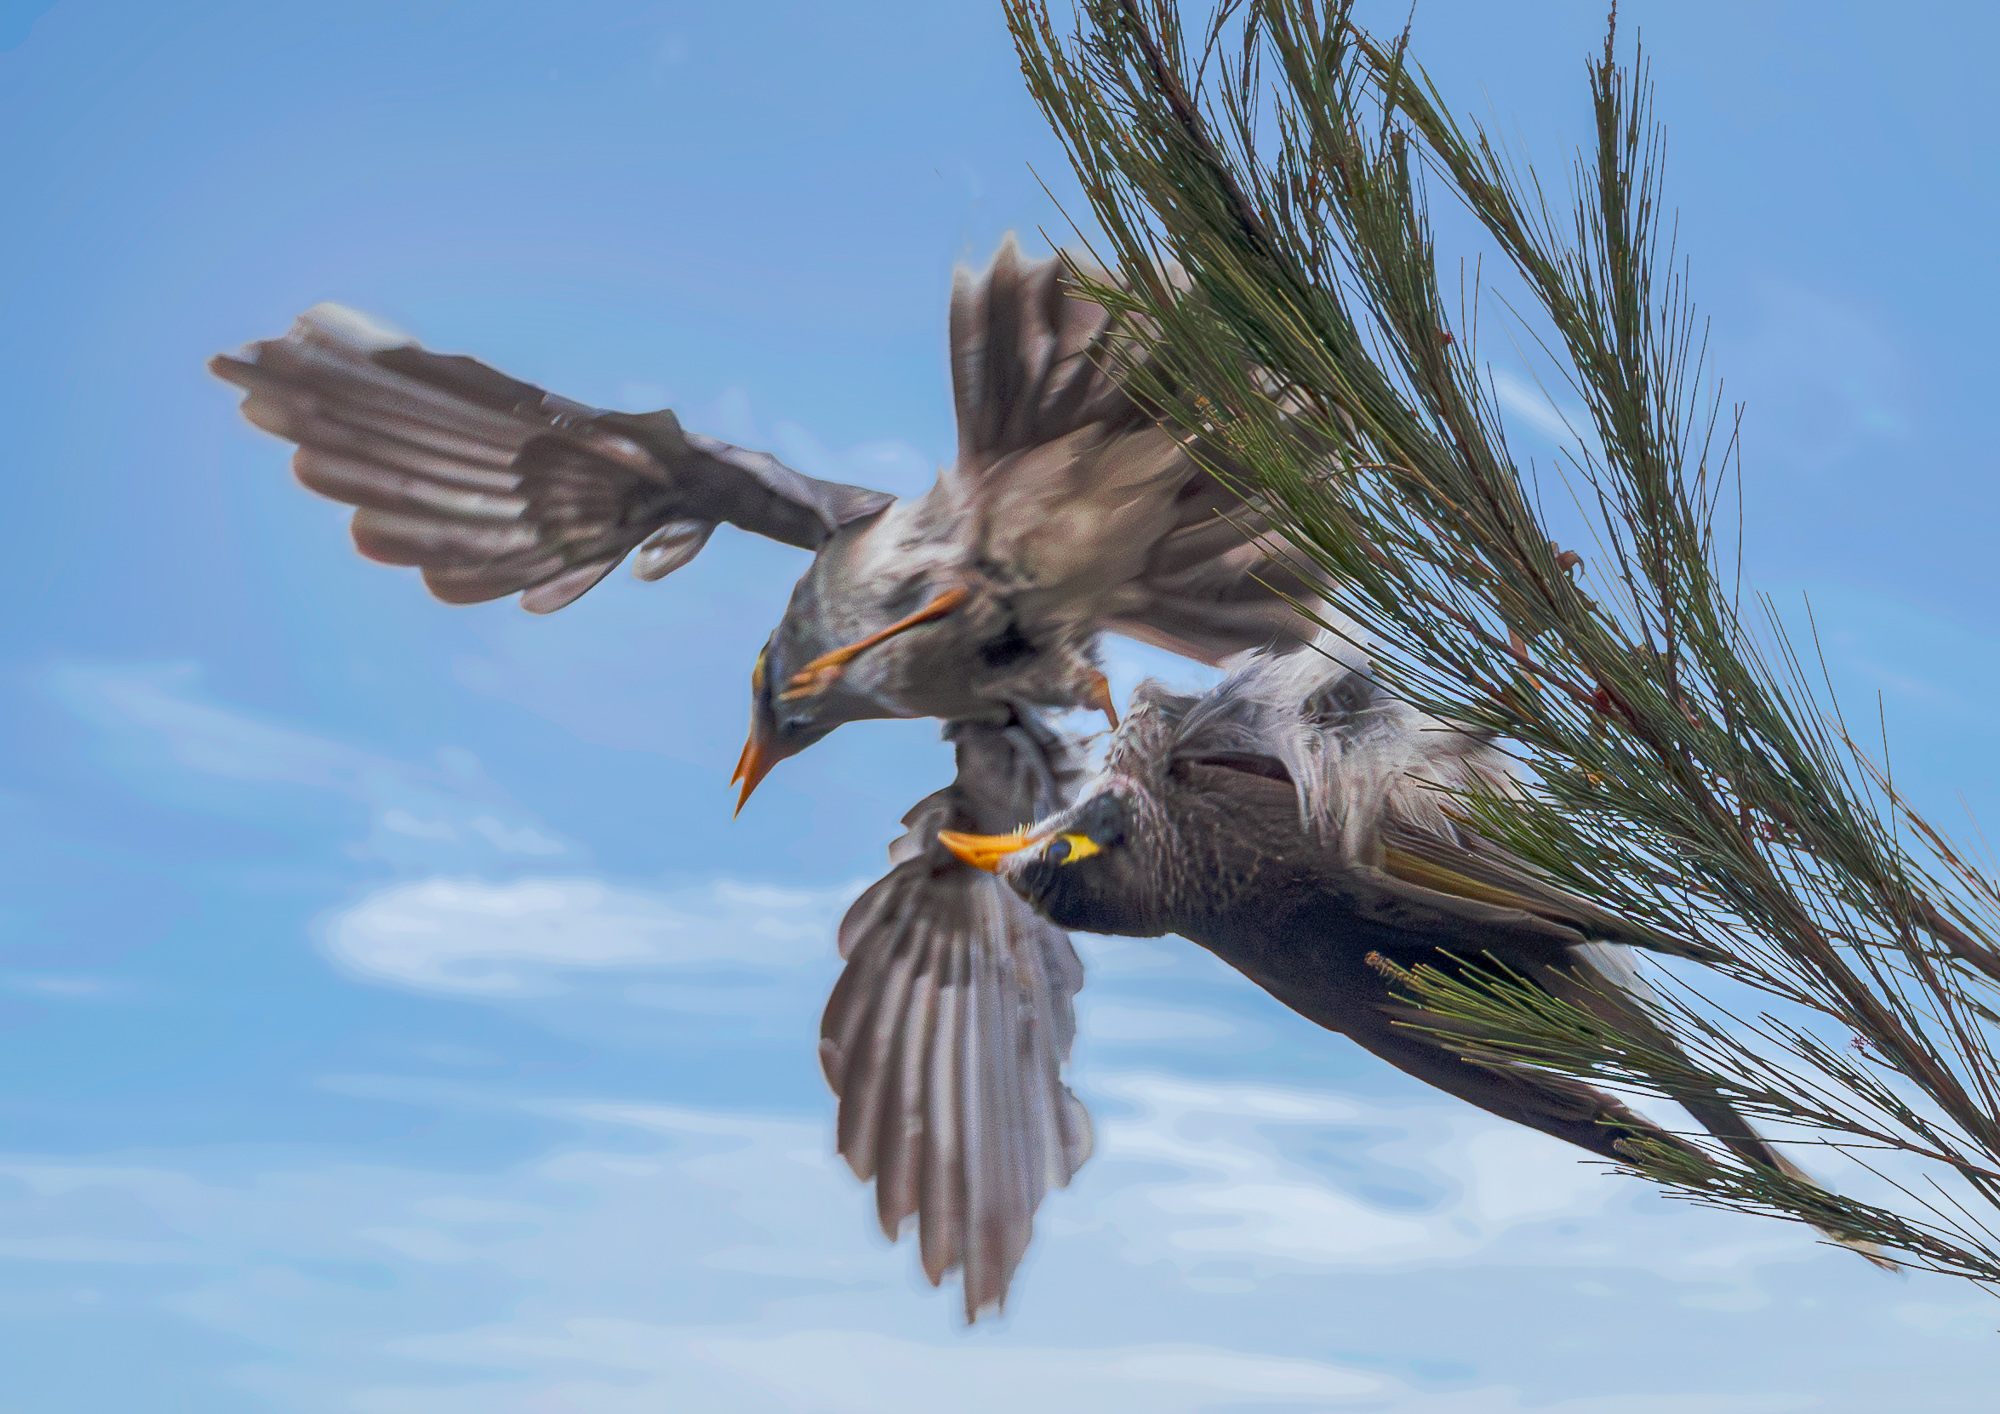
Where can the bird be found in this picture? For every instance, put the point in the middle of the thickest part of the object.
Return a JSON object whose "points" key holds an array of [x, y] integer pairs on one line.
{"points": [[1298, 822], [1074, 507]]}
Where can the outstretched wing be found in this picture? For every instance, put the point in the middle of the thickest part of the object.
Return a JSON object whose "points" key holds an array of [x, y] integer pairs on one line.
{"points": [[493, 486], [1077, 485], [946, 1035]]}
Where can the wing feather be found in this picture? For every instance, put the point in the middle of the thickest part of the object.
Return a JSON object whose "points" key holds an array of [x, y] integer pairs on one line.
{"points": [[493, 486], [1078, 486], [947, 1033], [856, 1043], [381, 486], [942, 1195]]}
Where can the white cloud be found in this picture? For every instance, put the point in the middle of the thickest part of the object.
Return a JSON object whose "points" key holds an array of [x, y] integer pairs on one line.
{"points": [[640, 395], [1821, 376], [450, 813], [1565, 426], [1111, 1021], [625, 1365], [520, 839], [710, 1261], [1108, 956], [1972, 1320], [524, 937], [159, 700], [93, 1249], [1248, 1178], [889, 465]]}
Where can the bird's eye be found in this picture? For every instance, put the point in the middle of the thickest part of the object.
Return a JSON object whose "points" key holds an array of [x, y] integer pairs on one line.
{"points": [[1068, 849]]}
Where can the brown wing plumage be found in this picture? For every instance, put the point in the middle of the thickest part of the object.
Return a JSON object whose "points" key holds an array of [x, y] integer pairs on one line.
{"points": [[1030, 362], [493, 486], [1074, 483], [946, 1035], [1211, 590]]}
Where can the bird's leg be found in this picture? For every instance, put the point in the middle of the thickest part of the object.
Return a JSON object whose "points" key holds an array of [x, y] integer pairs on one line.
{"points": [[1099, 699], [822, 672]]}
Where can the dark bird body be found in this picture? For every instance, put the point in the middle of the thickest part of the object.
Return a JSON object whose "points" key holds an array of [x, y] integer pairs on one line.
{"points": [[1309, 935], [1294, 822], [1069, 511]]}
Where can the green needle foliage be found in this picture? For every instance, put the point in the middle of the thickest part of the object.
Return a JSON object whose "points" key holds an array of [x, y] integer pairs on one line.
{"points": [[1263, 185]]}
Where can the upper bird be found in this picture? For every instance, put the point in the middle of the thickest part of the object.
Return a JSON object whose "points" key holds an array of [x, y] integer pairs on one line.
{"points": [[1296, 822], [1071, 509]]}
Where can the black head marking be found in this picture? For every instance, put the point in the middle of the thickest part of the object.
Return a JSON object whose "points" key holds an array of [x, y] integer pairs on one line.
{"points": [[1009, 647]]}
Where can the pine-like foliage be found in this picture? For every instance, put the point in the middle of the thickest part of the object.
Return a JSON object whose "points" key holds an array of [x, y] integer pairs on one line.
{"points": [[1262, 181]]}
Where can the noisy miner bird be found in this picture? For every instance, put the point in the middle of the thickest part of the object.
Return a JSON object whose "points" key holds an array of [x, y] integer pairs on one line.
{"points": [[1295, 822], [1071, 510]]}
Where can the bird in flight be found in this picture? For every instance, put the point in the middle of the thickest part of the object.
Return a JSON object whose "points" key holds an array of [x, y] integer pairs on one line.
{"points": [[1297, 822], [1073, 509]]}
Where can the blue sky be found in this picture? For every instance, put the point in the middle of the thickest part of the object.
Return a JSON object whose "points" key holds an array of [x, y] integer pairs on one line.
{"points": [[394, 1019]]}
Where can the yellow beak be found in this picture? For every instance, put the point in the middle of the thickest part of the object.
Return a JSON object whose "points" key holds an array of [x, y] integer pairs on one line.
{"points": [[986, 851]]}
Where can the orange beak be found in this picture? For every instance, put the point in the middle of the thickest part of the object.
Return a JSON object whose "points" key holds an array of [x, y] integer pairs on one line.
{"points": [[986, 851], [1100, 698], [751, 767]]}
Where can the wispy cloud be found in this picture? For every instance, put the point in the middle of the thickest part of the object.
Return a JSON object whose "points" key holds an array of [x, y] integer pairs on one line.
{"points": [[607, 1275], [1115, 1021], [528, 936], [634, 1366], [1567, 425], [626, 1367], [157, 719], [1424, 1183]]}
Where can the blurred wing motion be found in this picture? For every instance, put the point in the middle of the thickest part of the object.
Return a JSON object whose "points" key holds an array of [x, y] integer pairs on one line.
{"points": [[1064, 474], [946, 1035], [493, 486]]}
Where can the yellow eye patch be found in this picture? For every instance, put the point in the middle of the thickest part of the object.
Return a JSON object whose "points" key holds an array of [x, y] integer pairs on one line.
{"points": [[1074, 847], [757, 674]]}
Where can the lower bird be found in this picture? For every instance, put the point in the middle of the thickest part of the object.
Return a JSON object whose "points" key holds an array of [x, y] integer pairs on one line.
{"points": [[1295, 821]]}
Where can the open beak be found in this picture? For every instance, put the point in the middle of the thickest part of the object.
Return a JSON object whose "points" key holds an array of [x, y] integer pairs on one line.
{"points": [[752, 766], [986, 851]]}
